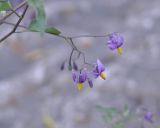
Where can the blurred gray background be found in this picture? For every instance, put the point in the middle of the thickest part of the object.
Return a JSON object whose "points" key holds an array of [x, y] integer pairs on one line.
{"points": [[32, 85]]}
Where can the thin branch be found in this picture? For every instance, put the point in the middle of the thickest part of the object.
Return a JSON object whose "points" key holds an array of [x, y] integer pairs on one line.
{"points": [[80, 52], [70, 58], [12, 24], [82, 36], [17, 24], [15, 12], [18, 7]]}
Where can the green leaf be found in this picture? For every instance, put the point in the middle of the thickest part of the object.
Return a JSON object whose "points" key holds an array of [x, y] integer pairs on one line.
{"points": [[52, 31], [5, 5], [118, 125], [39, 23]]}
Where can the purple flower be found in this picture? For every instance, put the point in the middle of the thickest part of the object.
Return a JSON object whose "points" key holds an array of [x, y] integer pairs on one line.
{"points": [[98, 70], [75, 66], [79, 77], [115, 41], [148, 116]]}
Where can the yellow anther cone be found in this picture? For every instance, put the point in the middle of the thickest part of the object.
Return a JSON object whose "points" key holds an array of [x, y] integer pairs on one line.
{"points": [[80, 86], [103, 76], [120, 50]]}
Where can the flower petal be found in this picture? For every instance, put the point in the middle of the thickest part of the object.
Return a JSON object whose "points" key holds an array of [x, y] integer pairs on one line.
{"points": [[75, 76], [82, 76], [100, 66], [115, 41]]}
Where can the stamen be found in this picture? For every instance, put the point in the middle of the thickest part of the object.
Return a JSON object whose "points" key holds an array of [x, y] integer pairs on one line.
{"points": [[120, 50], [80, 86], [103, 76]]}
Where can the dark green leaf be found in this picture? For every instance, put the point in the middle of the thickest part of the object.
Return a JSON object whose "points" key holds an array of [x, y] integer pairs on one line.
{"points": [[52, 31], [5, 5]]}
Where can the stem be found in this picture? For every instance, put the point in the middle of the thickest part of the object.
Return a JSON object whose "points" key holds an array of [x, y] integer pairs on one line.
{"points": [[18, 7], [70, 58], [80, 52], [15, 27], [12, 24], [15, 12], [82, 36]]}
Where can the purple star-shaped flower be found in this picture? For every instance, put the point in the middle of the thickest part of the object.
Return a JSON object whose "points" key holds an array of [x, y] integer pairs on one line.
{"points": [[115, 41], [79, 77], [99, 69]]}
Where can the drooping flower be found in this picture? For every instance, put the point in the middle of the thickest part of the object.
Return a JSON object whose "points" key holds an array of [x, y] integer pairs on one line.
{"points": [[62, 66], [99, 70], [75, 66], [148, 116], [115, 41], [79, 77]]}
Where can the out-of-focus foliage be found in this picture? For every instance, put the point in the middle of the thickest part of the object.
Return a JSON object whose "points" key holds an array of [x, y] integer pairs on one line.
{"points": [[114, 117], [39, 23], [108, 113], [48, 121], [5, 5]]}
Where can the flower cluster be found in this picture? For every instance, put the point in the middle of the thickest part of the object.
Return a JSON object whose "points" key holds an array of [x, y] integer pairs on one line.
{"points": [[79, 77], [115, 41]]}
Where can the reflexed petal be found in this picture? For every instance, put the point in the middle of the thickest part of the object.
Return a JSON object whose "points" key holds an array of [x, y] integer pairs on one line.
{"points": [[100, 66], [98, 69], [120, 41], [74, 76], [75, 66], [82, 76]]}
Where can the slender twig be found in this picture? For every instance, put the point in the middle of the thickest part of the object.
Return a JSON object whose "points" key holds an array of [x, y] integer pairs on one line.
{"points": [[66, 39], [80, 52], [15, 27], [77, 56], [83, 36], [71, 40], [18, 7], [15, 12], [70, 58], [12, 24], [61, 36]]}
